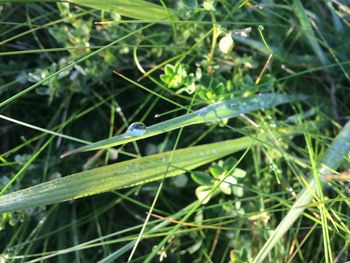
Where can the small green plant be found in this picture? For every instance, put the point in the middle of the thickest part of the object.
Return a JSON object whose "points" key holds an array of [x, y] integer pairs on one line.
{"points": [[209, 89], [178, 77], [217, 170]]}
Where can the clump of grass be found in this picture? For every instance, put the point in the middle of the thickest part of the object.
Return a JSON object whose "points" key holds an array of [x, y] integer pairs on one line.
{"points": [[224, 165]]}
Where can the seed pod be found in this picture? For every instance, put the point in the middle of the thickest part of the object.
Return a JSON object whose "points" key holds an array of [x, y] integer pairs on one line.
{"points": [[226, 43]]}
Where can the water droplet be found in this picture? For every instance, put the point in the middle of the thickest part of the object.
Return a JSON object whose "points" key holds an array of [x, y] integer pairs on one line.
{"points": [[214, 151], [260, 6], [136, 129], [157, 115]]}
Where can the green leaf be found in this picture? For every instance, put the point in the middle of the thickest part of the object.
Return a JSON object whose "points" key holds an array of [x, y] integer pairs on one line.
{"points": [[201, 178], [216, 170], [138, 9], [226, 186], [229, 163], [238, 190], [202, 193], [239, 173], [169, 69], [309, 33], [212, 113], [124, 174]]}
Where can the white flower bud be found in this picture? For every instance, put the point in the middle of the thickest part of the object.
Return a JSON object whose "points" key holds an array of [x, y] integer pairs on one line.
{"points": [[226, 43]]}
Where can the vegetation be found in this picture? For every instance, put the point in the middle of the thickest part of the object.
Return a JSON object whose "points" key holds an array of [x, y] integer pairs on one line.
{"points": [[201, 131]]}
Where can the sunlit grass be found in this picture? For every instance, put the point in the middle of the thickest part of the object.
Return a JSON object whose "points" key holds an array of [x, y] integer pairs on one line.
{"points": [[58, 91]]}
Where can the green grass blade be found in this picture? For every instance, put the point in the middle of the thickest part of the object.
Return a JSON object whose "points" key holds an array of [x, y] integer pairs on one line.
{"points": [[138, 9], [120, 175], [212, 113], [330, 161], [309, 33]]}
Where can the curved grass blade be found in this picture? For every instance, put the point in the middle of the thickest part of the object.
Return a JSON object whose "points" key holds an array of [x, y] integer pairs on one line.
{"points": [[138, 9], [333, 157], [124, 174], [309, 33], [212, 113]]}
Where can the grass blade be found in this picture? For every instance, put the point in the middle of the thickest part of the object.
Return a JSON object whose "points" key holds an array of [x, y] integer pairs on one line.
{"points": [[120, 175], [138, 9], [215, 112], [309, 33]]}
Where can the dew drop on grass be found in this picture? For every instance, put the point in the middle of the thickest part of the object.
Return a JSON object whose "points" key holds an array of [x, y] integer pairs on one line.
{"points": [[260, 6], [136, 129]]}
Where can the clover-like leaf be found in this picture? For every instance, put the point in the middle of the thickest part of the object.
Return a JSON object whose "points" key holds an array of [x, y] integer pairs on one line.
{"points": [[202, 193], [201, 178]]}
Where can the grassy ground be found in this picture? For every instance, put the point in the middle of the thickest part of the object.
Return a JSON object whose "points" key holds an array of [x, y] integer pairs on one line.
{"points": [[244, 105]]}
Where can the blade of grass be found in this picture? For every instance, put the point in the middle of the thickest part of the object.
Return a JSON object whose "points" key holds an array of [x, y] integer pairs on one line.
{"points": [[309, 33], [212, 113], [138, 9], [120, 175], [330, 161]]}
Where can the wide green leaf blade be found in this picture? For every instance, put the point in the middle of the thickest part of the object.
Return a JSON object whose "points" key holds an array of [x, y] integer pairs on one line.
{"points": [[138, 9], [120, 175], [212, 113]]}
